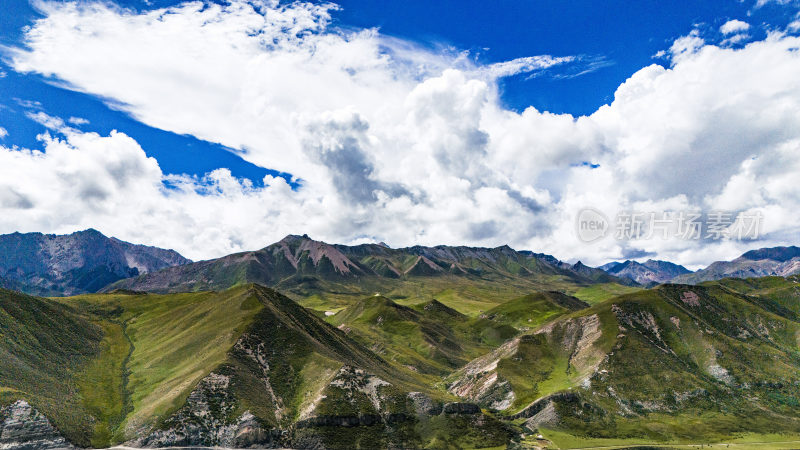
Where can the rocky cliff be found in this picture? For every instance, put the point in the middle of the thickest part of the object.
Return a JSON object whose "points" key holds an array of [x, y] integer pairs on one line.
{"points": [[23, 428]]}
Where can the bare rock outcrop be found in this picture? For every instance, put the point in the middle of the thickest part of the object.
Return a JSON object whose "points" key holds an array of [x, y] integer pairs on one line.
{"points": [[22, 427], [208, 420]]}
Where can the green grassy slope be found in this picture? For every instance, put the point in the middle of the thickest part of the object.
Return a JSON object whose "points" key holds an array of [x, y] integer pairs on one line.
{"points": [[779, 291], [531, 311], [107, 368], [673, 364], [410, 337], [467, 295], [155, 349], [434, 339], [597, 293], [45, 347]]}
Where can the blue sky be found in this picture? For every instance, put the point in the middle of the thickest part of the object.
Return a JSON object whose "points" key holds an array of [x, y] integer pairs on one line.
{"points": [[447, 122]]}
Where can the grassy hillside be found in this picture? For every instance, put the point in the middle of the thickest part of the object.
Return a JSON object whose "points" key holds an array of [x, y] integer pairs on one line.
{"points": [[531, 311], [779, 291], [45, 347], [434, 339], [410, 337], [597, 293], [675, 364], [184, 369], [156, 348], [672, 364]]}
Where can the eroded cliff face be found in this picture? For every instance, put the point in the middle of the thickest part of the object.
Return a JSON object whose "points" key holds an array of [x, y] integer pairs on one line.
{"points": [[209, 418], [571, 340], [375, 414], [23, 428]]}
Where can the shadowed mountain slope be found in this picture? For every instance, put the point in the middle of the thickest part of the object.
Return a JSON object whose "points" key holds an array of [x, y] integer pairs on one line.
{"points": [[81, 262]]}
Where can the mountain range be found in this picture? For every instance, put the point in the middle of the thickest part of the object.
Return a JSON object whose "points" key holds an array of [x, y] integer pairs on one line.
{"points": [[763, 262], [313, 271], [85, 261], [305, 344], [775, 261]]}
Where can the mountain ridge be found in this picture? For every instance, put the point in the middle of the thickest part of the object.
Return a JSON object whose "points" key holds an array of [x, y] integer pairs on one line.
{"points": [[650, 272], [762, 262], [81, 262], [303, 267]]}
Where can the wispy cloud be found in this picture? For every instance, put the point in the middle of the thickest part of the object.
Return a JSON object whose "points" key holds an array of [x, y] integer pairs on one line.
{"points": [[525, 65], [583, 65], [762, 3], [46, 120], [28, 104], [78, 121]]}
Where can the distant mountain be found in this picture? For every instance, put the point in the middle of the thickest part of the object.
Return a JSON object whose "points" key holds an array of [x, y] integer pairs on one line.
{"points": [[775, 261], [304, 266], [648, 273], [597, 274], [81, 262]]}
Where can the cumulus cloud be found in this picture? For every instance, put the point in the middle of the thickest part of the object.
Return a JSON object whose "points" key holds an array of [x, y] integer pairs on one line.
{"points": [[734, 26], [391, 141]]}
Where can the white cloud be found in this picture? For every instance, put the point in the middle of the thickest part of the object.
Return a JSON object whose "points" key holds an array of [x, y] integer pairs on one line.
{"points": [[46, 120], [77, 121], [734, 26], [762, 3], [735, 39], [392, 141], [686, 46], [525, 65], [3, 132]]}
